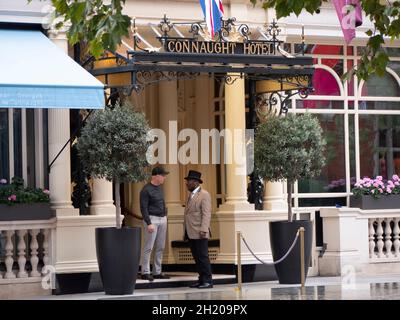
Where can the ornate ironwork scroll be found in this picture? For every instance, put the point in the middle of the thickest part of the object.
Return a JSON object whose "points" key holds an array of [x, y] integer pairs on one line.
{"points": [[145, 78], [278, 102], [165, 26], [229, 32]]}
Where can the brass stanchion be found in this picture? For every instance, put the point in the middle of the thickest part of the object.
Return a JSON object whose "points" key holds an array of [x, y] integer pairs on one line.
{"points": [[239, 260], [302, 258]]}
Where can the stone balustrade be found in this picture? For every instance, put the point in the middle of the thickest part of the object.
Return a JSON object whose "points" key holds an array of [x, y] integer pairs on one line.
{"points": [[360, 241], [25, 249], [383, 240]]}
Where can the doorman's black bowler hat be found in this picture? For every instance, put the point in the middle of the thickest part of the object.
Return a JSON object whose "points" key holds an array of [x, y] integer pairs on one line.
{"points": [[194, 175], [159, 170]]}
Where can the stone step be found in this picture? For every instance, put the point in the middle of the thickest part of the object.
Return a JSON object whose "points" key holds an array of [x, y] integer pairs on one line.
{"points": [[72, 283], [181, 279]]}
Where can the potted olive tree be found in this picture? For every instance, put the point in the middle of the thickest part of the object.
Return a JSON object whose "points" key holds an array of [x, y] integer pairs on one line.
{"points": [[113, 146], [289, 148]]}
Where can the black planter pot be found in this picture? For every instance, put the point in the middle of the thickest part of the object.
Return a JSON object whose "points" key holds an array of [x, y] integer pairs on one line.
{"points": [[118, 256], [282, 234]]}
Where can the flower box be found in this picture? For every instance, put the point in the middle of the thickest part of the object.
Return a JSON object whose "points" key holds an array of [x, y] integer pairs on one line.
{"points": [[25, 211], [367, 202]]}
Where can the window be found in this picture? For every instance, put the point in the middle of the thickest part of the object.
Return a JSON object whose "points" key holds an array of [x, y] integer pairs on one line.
{"points": [[23, 146], [4, 143], [361, 124]]}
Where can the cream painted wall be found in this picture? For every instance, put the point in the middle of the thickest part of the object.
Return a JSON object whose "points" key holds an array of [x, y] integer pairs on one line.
{"points": [[21, 11], [185, 10], [74, 246]]}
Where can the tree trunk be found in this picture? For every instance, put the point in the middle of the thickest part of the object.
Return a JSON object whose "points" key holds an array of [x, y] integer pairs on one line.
{"points": [[289, 200], [117, 204]]}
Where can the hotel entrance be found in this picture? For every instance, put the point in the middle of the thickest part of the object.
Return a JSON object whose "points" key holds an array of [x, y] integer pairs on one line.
{"points": [[188, 85]]}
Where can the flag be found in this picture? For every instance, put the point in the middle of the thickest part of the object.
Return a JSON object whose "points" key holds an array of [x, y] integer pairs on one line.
{"points": [[350, 17], [213, 11]]}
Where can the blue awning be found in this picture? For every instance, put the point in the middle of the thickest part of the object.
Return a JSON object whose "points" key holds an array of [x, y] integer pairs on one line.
{"points": [[35, 73]]}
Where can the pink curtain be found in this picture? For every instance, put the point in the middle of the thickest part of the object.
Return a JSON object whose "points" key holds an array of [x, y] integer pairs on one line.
{"points": [[323, 82]]}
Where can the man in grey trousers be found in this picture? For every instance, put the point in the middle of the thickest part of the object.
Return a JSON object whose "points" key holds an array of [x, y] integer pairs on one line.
{"points": [[154, 212]]}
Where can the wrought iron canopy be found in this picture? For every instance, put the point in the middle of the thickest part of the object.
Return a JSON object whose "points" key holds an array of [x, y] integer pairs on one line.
{"points": [[231, 55]]}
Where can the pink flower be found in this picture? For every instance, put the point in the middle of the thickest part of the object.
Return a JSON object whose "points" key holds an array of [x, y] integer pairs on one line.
{"points": [[46, 191], [13, 197], [377, 186], [3, 181]]}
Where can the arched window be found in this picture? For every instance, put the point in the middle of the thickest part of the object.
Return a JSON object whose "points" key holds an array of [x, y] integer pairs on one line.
{"points": [[326, 83], [386, 86]]}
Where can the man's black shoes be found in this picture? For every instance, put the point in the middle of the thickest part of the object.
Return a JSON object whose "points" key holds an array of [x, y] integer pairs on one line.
{"points": [[161, 276], [147, 276], [205, 285]]}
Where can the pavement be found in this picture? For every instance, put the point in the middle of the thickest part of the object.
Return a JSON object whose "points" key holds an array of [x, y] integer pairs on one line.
{"points": [[370, 287]]}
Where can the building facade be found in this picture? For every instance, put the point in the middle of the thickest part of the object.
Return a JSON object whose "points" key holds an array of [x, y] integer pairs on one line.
{"points": [[361, 123]]}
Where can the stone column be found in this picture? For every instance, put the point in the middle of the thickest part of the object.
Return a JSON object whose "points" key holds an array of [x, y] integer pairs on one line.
{"points": [[102, 198], [235, 159], [201, 120], [236, 214], [59, 133], [168, 111], [274, 196], [168, 120]]}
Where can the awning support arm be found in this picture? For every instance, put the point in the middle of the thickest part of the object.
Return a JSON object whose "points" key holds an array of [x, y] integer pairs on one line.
{"points": [[77, 130], [69, 140]]}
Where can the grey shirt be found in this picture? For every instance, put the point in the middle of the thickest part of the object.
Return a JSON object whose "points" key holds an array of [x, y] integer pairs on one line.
{"points": [[152, 202]]}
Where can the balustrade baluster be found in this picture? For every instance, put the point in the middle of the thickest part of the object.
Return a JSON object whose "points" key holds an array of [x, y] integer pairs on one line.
{"points": [[388, 238], [21, 254], [396, 237], [9, 255], [371, 238], [379, 237], [34, 253], [46, 258]]}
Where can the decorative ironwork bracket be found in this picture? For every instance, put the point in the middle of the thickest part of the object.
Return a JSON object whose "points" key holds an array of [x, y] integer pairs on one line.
{"points": [[277, 102], [145, 78]]}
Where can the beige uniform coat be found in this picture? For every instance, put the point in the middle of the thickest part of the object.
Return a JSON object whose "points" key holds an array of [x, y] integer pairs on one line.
{"points": [[198, 214]]}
